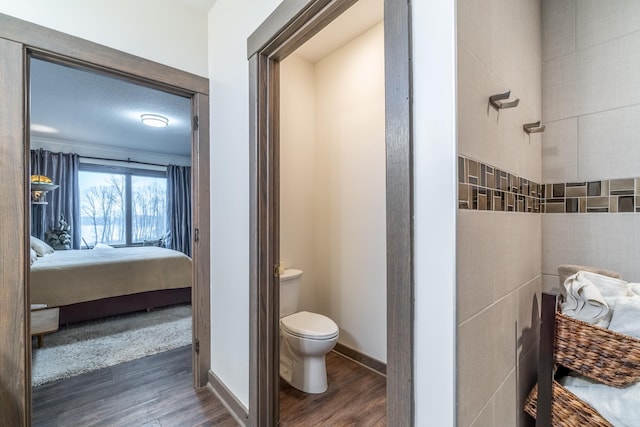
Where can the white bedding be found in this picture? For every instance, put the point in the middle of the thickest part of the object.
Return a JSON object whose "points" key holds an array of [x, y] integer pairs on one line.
{"points": [[68, 277]]}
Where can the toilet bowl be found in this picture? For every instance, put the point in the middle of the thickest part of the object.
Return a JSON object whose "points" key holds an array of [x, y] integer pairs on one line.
{"points": [[305, 339]]}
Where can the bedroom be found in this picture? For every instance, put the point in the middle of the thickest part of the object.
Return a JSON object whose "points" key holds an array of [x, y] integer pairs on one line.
{"points": [[119, 190]]}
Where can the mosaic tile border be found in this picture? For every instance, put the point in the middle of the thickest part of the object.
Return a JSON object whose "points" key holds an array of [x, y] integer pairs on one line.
{"points": [[604, 196], [484, 187]]}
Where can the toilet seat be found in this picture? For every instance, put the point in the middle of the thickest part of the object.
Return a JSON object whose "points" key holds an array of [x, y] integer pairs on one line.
{"points": [[309, 325]]}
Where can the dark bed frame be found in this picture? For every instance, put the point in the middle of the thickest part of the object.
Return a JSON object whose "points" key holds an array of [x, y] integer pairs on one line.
{"points": [[123, 304]]}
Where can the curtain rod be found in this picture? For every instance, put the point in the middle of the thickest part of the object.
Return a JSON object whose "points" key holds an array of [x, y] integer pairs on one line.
{"points": [[127, 161]]}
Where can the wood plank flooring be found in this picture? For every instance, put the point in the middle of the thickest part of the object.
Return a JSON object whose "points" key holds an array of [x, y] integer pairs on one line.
{"points": [[356, 397], [156, 391], [152, 391]]}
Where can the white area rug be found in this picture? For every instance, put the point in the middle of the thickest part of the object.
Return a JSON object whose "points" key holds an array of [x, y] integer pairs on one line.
{"points": [[89, 346]]}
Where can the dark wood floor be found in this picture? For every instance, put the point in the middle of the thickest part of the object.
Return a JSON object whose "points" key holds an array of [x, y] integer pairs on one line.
{"points": [[156, 391], [356, 397], [153, 391]]}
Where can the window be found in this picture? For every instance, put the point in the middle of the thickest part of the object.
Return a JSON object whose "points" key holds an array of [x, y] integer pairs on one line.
{"points": [[121, 206]]}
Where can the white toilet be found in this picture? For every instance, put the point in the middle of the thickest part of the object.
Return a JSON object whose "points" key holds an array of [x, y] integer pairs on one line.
{"points": [[305, 338]]}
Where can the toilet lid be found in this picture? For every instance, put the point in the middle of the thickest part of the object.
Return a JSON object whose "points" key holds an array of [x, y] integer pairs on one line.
{"points": [[309, 325]]}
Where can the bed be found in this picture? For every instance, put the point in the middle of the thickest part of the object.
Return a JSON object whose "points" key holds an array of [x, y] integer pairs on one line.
{"points": [[88, 284]]}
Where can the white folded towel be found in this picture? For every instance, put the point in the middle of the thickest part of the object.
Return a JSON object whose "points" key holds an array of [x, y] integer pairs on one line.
{"points": [[611, 289], [612, 303], [635, 288], [618, 405], [626, 317], [591, 297]]}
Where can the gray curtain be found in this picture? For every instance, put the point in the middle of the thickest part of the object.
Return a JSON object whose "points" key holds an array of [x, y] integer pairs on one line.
{"points": [[62, 168], [179, 208]]}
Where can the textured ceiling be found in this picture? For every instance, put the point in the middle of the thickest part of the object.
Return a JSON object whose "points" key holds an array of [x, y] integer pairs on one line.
{"points": [[91, 108]]}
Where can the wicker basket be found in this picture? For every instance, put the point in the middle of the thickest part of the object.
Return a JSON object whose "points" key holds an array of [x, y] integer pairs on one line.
{"points": [[567, 410], [601, 354], [597, 353]]}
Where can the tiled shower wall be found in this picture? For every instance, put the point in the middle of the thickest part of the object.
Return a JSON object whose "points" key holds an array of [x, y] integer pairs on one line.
{"points": [[498, 251], [591, 105], [585, 165]]}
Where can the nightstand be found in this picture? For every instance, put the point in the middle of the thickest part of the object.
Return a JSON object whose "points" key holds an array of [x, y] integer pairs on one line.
{"points": [[44, 321]]}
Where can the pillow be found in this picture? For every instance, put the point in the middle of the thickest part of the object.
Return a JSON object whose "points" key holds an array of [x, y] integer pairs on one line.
{"points": [[34, 256], [40, 247], [157, 242], [102, 246]]}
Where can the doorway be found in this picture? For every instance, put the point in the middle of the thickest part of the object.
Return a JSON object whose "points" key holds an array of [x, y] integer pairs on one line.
{"points": [[19, 41], [121, 185], [332, 212], [286, 30]]}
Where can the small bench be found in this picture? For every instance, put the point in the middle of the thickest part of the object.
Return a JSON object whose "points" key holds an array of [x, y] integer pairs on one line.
{"points": [[43, 321]]}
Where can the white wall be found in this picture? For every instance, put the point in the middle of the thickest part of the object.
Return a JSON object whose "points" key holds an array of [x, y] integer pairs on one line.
{"points": [[351, 206], [333, 187], [434, 162], [164, 31], [230, 23], [298, 174]]}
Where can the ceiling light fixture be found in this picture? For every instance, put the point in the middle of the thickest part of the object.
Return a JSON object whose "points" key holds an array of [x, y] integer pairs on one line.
{"points": [[154, 120], [42, 128]]}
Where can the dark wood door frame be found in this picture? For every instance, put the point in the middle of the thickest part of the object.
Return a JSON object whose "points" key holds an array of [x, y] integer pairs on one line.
{"points": [[18, 40], [286, 29]]}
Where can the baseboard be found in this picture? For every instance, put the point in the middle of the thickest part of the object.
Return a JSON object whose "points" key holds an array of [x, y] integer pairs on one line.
{"points": [[363, 359], [233, 405]]}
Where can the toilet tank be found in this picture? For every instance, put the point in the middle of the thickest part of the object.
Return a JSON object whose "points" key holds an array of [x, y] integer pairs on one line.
{"points": [[290, 282]]}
